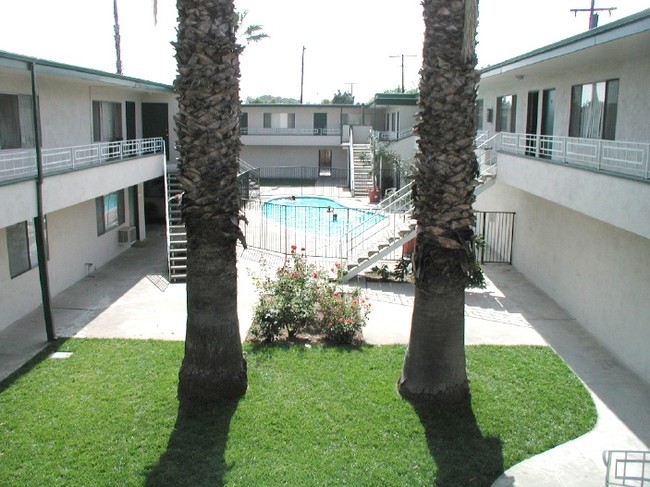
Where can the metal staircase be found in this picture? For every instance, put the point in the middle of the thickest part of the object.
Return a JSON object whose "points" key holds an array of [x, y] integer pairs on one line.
{"points": [[362, 166], [397, 227], [176, 233], [249, 187]]}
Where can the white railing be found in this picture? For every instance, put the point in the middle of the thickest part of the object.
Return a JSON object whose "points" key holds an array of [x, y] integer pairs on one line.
{"points": [[486, 152], [629, 159], [281, 131], [391, 215], [402, 134], [21, 163]]}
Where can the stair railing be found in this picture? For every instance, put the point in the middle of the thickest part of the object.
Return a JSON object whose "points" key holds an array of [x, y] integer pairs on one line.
{"points": [[486, 153], [383, 222]]}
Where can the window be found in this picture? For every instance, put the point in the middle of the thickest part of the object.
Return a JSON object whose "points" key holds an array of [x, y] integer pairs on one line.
{"points": [[107, 121], [593, 110], [110, 211], [16, 122], [506, 113], [243, 123], [320, 123], [280, 120], [21, 247], [479, 114]]}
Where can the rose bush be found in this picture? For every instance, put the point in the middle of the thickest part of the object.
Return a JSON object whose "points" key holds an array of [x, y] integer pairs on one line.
{"points": [[300, 297]]}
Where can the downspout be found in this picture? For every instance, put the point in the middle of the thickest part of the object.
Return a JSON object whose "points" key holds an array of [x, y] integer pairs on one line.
{"points": [[39, 225]]}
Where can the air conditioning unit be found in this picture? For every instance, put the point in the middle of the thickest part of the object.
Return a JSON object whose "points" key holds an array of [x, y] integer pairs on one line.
{"points": [[126, 235]]}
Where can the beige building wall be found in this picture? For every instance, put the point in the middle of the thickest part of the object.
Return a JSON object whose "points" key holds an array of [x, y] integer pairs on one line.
{"points": [[599, 273]]}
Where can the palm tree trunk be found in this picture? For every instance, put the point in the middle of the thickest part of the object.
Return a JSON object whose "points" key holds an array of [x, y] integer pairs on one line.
{"points": [[213, 368], [434, 365], [118, 42]]}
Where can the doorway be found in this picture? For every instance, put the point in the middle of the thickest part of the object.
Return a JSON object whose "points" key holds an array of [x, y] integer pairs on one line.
{"points": [[155, 122], [531, 123], [548, 121]]}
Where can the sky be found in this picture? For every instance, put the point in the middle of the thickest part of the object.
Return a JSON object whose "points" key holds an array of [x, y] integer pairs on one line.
{"points": [[349, 45]]}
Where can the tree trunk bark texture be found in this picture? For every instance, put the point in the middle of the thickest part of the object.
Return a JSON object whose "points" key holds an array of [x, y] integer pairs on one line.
{"points": [[446, 168], [207, 124]]}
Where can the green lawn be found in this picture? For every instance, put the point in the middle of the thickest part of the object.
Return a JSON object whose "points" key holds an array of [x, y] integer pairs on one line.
{"points": [[108, 415]]}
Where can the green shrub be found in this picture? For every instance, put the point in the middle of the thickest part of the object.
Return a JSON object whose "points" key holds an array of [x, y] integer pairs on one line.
{"points": [[402, 268], [343, 314], [300, 297]]}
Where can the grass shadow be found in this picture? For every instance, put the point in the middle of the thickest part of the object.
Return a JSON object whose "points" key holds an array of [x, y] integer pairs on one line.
{"points": [[463, 456], [28, 366], [195, 453]]}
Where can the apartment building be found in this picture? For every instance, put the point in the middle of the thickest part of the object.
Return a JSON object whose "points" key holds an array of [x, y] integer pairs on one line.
{"points": [[104, 142]]}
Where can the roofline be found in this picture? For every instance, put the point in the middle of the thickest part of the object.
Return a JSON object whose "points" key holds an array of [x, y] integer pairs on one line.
{"points": [[633, 24], [405, 99], [310, 105], [19, 61]]}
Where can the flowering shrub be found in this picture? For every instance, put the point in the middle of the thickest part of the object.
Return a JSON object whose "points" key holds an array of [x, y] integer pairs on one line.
{"points": [[343, 314], [300, 297], [287, 301]]}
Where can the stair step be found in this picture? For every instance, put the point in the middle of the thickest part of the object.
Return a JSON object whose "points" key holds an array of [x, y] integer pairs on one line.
{"points": [[178, 257]]}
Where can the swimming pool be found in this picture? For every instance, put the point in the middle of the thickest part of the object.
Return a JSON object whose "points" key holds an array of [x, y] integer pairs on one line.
{"points": [[317, 215]]}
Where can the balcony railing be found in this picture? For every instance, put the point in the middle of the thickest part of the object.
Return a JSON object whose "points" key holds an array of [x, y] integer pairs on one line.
{"points": [[21, 163], [628, 159], [280, 131], [391, 136]]}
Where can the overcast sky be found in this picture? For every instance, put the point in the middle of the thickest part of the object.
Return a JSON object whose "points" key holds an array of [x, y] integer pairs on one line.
{"points": [[349, 44]]}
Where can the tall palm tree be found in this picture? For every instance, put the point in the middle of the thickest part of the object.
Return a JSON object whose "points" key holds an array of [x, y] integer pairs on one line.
{"points": [[118, 40], [434, 366], [207, 124]]}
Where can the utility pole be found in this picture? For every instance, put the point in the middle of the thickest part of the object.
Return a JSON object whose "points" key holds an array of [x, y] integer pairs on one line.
{"points": [[403, 56], [593, 16], [302, 74], [351, 87]]}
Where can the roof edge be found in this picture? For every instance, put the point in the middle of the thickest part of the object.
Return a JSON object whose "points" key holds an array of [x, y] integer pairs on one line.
{"points": [[20, 61], [612, 26]]}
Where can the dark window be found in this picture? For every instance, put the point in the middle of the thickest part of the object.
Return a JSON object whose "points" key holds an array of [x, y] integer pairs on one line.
{"points": [[320, 123], [107, 121], [593, 110], [243, 123], [479, 114], [16, 122], [110, 211], [21, 247], [506, 113]]}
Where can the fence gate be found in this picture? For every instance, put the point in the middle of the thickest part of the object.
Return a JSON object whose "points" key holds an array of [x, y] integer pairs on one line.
{"points": [[497, 229]]}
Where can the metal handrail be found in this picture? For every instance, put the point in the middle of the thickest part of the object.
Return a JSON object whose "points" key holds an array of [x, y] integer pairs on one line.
{"points": [[21, 163], [617, 158], [288, 131], [390, 209]]}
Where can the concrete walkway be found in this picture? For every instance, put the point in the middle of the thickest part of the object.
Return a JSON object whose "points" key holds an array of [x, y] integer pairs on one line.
{"points": [[131, 298]]}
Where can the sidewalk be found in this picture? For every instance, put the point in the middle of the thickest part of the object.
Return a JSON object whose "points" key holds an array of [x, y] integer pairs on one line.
{"points": [[131, 298]]}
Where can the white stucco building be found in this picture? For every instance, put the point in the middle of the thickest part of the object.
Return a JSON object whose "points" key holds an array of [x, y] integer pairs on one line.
{"points": [[573, 125], [103, 137]]}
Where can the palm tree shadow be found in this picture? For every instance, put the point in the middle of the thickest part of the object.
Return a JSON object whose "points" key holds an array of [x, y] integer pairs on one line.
{"points": [[195, 453], [463, 456]]}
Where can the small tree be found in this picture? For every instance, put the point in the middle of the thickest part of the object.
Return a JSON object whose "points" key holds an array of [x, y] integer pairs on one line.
{"points": [[343, 98]]}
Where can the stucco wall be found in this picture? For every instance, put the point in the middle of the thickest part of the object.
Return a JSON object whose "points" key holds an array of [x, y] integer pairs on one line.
{"points": [[72, 242], [290, 156], [598, 273], [630, 66]]}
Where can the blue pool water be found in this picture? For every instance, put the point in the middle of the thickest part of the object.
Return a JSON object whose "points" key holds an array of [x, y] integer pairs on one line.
{"points": [[317, 215]]}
